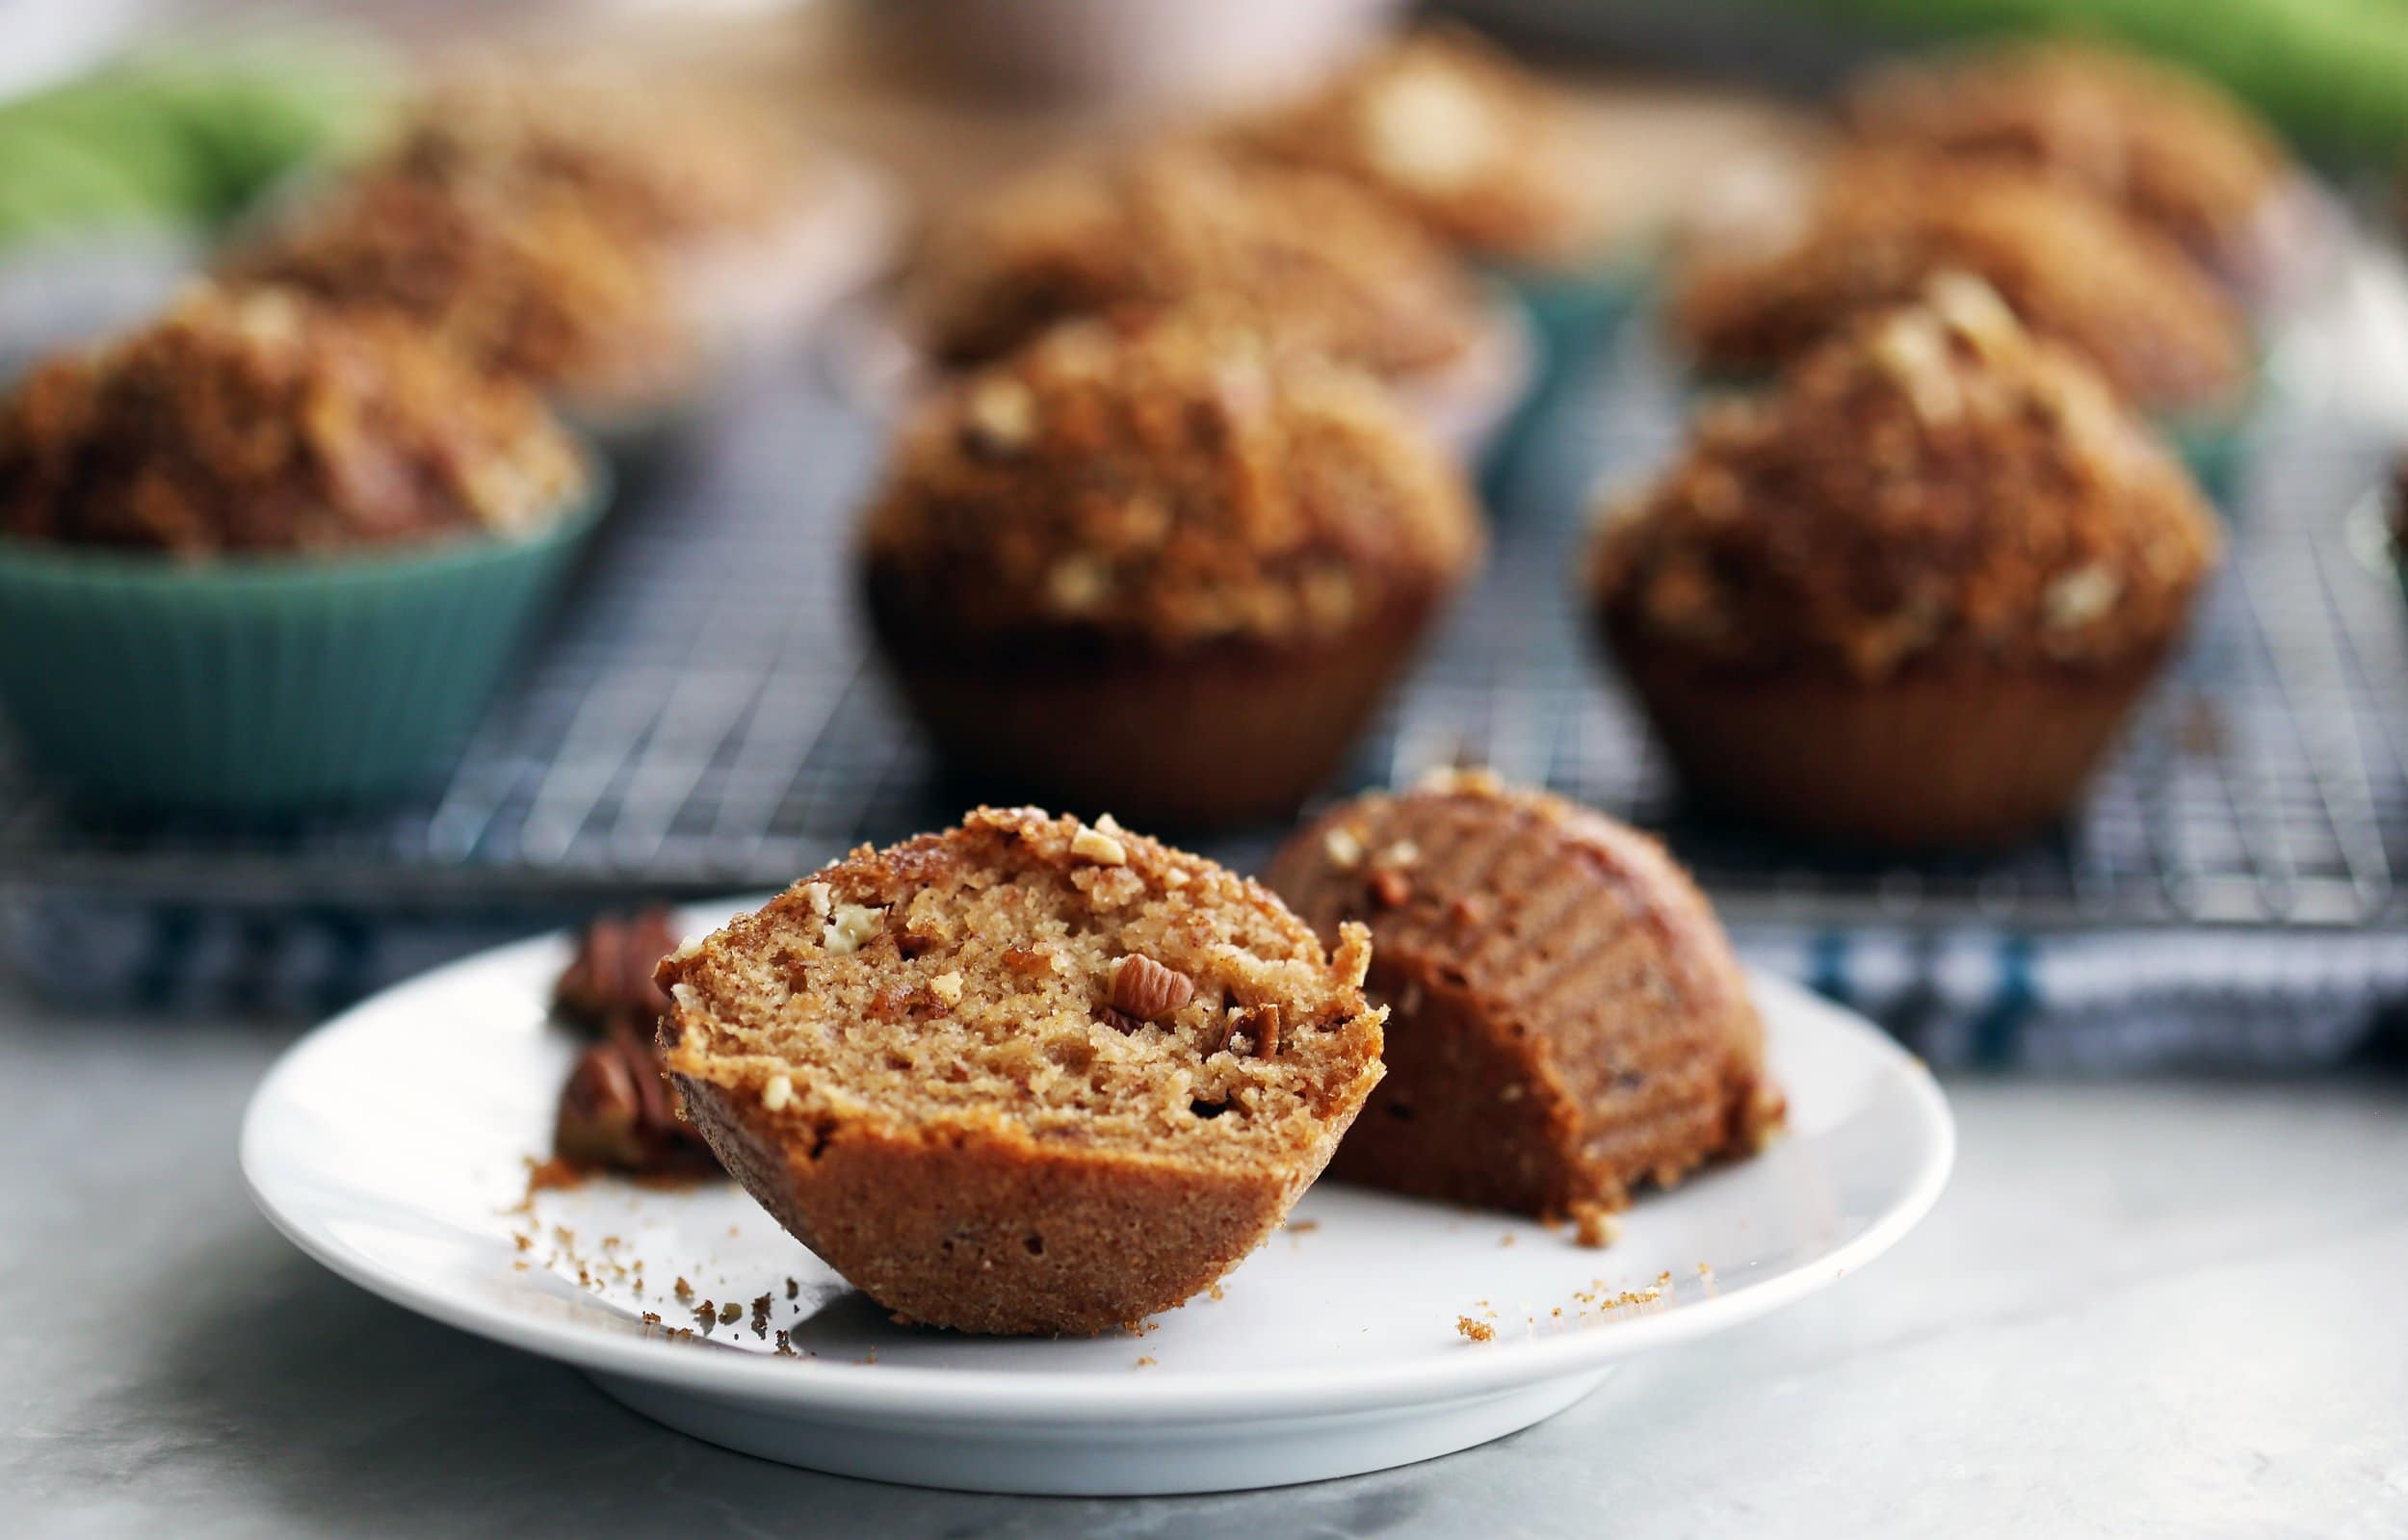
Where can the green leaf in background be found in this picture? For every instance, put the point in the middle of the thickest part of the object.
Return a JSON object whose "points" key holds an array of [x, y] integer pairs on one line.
{"points": [[2334, 73]]}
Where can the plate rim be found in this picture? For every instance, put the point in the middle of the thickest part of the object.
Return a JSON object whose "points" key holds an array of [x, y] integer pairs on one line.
{"points": [[904, 1394]]}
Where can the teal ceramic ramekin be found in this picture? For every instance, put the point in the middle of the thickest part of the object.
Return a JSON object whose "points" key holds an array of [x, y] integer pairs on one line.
{"points": [[258, 685]]}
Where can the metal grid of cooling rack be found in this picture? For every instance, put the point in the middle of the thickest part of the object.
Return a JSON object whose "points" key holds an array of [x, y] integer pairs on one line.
{"points": [[704, 717]]}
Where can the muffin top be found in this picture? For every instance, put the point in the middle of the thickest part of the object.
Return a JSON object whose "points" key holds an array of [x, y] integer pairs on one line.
{"points": [[1036, 978], [1934, 486], [2071, 267], [2168, 146], [256, 420], [655, 163], [1172, 483], [1310, 256], [520, 280], [1445, 127]]}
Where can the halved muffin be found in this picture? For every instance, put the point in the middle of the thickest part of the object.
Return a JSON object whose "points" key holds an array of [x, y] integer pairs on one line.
{"points": [[2164, 145], [1910, 596], [1567, 1019], [1027, 1075], [1170, 569], [1883, 224]]}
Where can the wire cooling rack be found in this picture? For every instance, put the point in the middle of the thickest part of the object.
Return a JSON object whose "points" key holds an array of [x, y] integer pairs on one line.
{"points": [[705, 716]]}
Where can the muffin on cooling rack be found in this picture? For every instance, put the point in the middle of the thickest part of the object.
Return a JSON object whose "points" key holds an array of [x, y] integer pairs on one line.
{"points": [[524, 282], [1881, 224], [1168, 569], [1028, 1074], [1446, 128], [1309, 258], [1567, 1019], [2167, 145], [287, 548], [1910, 596]]}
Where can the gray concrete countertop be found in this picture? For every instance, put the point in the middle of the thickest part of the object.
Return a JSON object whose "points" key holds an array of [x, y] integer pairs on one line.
{"points": [[2152, 1309]]}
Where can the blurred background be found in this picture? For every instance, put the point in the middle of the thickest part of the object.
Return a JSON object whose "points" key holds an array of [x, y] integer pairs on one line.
{"points": [[700, 711]]}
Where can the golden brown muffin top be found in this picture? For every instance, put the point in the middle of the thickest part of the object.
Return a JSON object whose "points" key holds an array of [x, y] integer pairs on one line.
{"points": [[655, 163], [1936, 485], [1036, 974], [1175, 484], [2072, 267], [258, 421], [2165, 145], [1445, 127], [1310, 256], [518, 280]]}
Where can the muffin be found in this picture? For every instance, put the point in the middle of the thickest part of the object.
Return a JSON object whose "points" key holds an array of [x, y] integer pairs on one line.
{"points": [[1446, 128], [616, 1112], [1166, 569], [1909, 597], [1882, 226], [290, 547], [1028, 1074], [2167, 147], [1567, 1020], [522, 281]]}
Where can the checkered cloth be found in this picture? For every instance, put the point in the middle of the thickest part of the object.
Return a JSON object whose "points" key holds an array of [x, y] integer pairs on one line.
{"points": [[2098, 1003]]}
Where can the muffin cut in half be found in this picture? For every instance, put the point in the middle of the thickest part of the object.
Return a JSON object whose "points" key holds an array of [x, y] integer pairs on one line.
{"points": [[1168, 569], [1881, 224], [1567, 1021], [2167, 145], [1027, 1075], [1910, 596]]}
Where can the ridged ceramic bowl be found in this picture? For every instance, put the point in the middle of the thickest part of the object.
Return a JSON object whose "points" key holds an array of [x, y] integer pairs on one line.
{"points": [[266, 684]]}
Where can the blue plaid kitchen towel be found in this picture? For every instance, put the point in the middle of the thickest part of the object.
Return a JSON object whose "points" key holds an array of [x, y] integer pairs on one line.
{"points": [[2093, 1001]]}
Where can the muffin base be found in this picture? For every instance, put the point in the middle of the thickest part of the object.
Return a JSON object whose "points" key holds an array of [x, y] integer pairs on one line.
{"points": [[983, 1229], [1228, 733], [1967, 757]]}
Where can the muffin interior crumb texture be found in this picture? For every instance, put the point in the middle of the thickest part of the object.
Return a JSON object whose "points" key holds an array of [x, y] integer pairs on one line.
{"points": [[1083, 985]]}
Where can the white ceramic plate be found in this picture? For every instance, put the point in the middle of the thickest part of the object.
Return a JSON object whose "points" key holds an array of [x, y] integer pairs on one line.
{"points": [[393, 1145]]}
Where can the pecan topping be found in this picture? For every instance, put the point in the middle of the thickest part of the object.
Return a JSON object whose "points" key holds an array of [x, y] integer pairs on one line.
{"points": [[1120, 1021], [616, 1112], [608, 985], [1390, 888], [1146, 989]]}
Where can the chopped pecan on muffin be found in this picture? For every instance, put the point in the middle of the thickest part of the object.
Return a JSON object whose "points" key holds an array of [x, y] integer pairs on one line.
{"points": [[259, 420], [1166, 569], [523, 281], [1445, 127], [1883, 224], [1567, 1022], [1027, 1075], [2167, 145], [1910, 595], [1309, 256]]}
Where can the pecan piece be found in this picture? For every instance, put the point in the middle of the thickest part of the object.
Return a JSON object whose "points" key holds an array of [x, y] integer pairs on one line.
{"points": [[618, 1112], [1146, 989], [1390, 888], [608, 984], [1260, 1026]]}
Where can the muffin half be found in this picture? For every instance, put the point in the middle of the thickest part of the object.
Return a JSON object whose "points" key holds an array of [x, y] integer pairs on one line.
{"points": [[1168, 570], [1567, 1020], [1882, 226], [1911, 595], [1028, 1074]]}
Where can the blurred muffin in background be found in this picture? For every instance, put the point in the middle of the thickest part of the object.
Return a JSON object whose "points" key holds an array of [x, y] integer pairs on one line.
{"points": [[1881, 225], [256, 420], [1909, 596], [265, 552], [1311, 257], [1447, 128], [2168, 146], [522, 282], [1159, 568]]}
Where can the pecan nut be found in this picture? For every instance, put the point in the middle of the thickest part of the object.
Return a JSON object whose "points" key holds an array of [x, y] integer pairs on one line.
{"points": [[608, 985], [616, 1112], [1146, 989]]}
